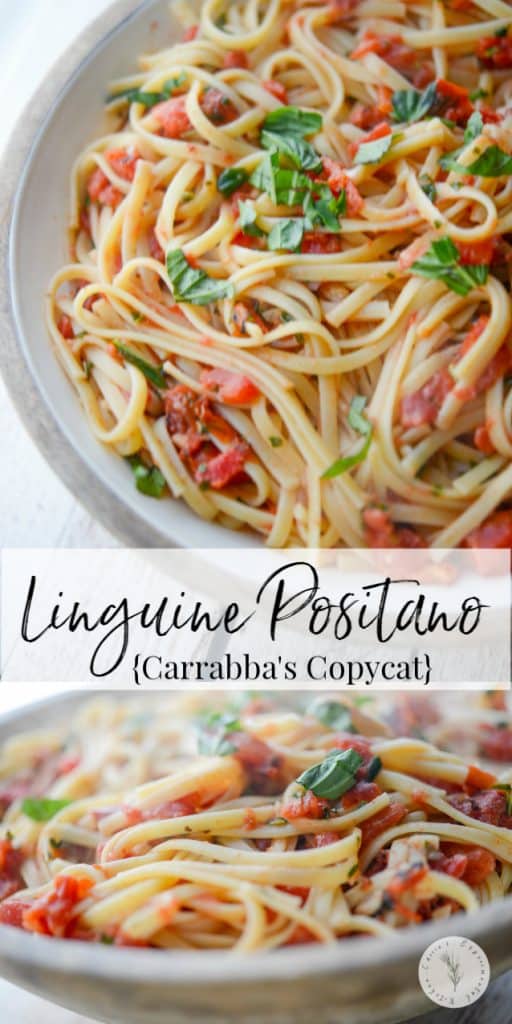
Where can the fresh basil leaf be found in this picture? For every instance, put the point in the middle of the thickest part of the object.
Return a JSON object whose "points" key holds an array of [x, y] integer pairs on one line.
{"points": [[150, 99], [474, 127], [248, 219], [332, 714], [374, 767], [411, 105], [293, 121], [333, 776], [154, 374], [43, 809], [441, 262], [492, 163], [372, 152], [148, 479], [230, 180], [264, 176], [428, 187], [299, 152], [213, 734], [355, 417], [478, 94], [192, 285], [287, 234]]}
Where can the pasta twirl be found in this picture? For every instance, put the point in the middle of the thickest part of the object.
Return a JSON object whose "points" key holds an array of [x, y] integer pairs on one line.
{"points": [[289, 297], [197, 824]]}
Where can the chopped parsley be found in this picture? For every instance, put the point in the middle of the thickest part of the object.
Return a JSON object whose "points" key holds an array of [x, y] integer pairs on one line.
{"points": [[363, 426]]}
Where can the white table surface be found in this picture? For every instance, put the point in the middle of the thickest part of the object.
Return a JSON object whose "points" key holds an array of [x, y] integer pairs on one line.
{"points": [[36, 510]]}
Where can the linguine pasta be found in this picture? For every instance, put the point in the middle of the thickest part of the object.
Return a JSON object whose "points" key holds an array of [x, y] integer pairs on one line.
{"points": [[198, 824], [289, 297]]}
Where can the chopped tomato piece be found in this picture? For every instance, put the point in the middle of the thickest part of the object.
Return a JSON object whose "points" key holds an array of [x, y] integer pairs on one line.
{"points": [[12, 911], [494, 532], [391, 48], [472, 864], [306, 806], [474, 333], [243, 314], [361, 793], [380, 822], [320, 242], [338, 179], [276, 89], [218, 107], [123, 162], [411, 253], [406, 879], [220, 470], [350, 741], [495, 52], [262, 764], [236, 59], [190, 33], [379, 132], [474, 253], [155, 249], [495, 742], [172, 118], [231, 388], [381, 532], [54, 913], [66, 327], [97, 183], [453, 101], [340, 9], [490, 806], [424, 404], [11, 860], [477, 778]]}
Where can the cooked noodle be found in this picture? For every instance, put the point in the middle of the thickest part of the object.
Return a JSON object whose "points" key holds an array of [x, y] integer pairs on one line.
{"points": [[319, 340]]}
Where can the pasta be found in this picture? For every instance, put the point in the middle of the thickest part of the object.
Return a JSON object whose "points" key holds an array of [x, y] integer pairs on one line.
{"points": [[289, 297], [196, 824]]}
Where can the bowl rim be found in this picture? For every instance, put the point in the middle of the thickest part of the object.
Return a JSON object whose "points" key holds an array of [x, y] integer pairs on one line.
{"points": [[32, 406], [341, 959]]}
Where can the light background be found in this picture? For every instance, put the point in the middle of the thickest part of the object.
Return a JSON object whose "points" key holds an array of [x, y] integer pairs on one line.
{"points": [[35, 508]]}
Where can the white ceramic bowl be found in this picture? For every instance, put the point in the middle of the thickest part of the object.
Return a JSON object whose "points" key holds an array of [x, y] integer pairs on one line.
{"points": [[67, 116], [357, 981]]}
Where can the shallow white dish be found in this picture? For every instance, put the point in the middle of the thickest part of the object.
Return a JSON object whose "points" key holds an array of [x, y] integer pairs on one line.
{"points": [[358, 981], [37, 247]]}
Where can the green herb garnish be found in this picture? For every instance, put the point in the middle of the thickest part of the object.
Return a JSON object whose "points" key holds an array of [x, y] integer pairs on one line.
{"points": [[373, 151], [363, 426], [154, 374], [411, 105], [230, 180], [192, 285], [148, 479], [442, 263], [43, 809], [213, 734], [150, 99], [332, 714], [333, 776]]}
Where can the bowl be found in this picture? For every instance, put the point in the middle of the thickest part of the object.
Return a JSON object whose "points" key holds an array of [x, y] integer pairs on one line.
{"points": [[64, 115], [357, 981]]}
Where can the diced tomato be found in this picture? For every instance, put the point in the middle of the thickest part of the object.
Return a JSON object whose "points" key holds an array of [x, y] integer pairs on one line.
{"points": [[381, 532], [406, 879], [276, 89], [220, 470], [66, 327], [66, 764], [320, 242], [494, 532], [379, 132], [170, 809], [362, 792], [155, 249], [351, 741], [306, 806], [412, 252], [474, 333], [423, 405], [11, 860], [54, 913], [97, 183], [495, 52], [391, 48], [231, 388], [235, 59], [490, 806], [368, 117], [453, 101], [338, 179], [218, 107], [172, 118], [495, 742], [190, 33], [12, 911], [477, 778], [300, 935], [472, 864], [243, 314], [340, 9], [262, 764], [380, 822], [474, 253], [180, 409], [123, 162]]}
